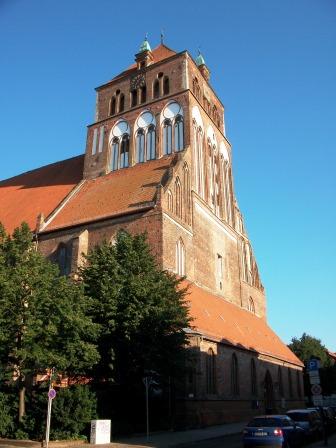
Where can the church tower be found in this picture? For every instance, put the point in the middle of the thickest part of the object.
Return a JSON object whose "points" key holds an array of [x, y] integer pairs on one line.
{"points": [[162, 106]]}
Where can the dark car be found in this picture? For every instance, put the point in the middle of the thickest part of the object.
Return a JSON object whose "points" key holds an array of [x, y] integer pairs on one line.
{"points": [[327, 417], [272, 430], [309, 420]]}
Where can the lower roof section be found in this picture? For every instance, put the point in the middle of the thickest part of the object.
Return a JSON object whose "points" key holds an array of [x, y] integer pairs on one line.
{"points": [[24, 197], [219, 320]]}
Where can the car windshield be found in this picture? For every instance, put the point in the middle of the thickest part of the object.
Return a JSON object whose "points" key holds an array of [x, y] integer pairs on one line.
{"points": [[265, 422], [299, 416]]}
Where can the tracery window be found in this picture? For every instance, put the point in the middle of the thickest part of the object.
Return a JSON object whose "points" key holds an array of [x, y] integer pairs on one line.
{"points": [[172, 118], [210, 372], [199, 161], [234, 375], [186, 190], [180, 258], [119, 144], [167, 137], [145, 137], [254, 384], [178, 133]]}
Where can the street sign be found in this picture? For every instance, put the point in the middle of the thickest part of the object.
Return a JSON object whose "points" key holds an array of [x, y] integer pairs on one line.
{"points": [[316, 389], [318, 400], [52, 394], [314, 380], [313, 364]]}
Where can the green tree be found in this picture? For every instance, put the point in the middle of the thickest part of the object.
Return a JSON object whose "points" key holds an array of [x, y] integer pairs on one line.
{"points": [[308, 347], [141, 310], [43, 316]]}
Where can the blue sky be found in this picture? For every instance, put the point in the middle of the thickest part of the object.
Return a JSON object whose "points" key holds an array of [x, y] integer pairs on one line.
{"points": [[273, 66]]}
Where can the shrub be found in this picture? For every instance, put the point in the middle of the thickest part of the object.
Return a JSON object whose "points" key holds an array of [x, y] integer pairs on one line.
{"points": [[6, 415]]}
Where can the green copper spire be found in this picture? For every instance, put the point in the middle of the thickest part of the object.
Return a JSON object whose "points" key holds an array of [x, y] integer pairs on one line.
{"points": [[145, 46], [200, 59]]}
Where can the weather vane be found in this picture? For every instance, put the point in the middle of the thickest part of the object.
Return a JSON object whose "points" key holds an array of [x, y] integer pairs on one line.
{"points": [[162, 36]]}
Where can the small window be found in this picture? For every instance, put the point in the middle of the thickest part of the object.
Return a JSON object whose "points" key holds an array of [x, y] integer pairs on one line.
{"points": [[166, 85], [140, 146], [143, 94], [113, 106], [134, 98], [178, 133], [167, 137], [124, 152], [115, 154], [121, 102], [234, 375], [210, 372], [170, 201], [180, 258], [150, 143], [156, 89], [64, 256]]}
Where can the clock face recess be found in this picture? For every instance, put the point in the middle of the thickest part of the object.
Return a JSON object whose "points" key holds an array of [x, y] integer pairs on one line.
{"points": [[138, 81]]}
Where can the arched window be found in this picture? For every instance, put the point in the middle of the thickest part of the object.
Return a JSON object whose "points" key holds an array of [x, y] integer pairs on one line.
{"points": [[250, 305], [143, 94], [166, 85], [64, 255], [167, 137], [124, 151], [115, 154], [196, 88], [254, 384], [298, 384], [170, 200], [156, 89], [121, 102], [280, 382], [234, 375], [150, 142], [180, 258], [140, 146], [199, 161], [134, 98], [145, 137], [178, 198], [113, 106], [186, 190], [178, 133], [210, 372], [290, 384]]}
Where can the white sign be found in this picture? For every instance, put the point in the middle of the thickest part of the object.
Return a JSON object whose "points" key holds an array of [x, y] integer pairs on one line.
{"points": [[314, 380], [100, 432], [318, 400]]}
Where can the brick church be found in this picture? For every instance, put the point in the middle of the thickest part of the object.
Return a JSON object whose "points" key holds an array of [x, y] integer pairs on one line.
{"points": [[157, 160]]}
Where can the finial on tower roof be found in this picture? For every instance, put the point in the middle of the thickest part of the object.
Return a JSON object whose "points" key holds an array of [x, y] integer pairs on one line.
{"points": [[200, 59], [145, 45], [162, 36]]}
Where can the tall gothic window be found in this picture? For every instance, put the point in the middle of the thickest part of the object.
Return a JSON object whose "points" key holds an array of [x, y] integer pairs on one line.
{"points": [[180, 258], [64, 255], [134, 98], [143, 94], [186, 191], [234, 375], [113, 106], [199, 161], [140, 146], [178, 198], [167, 137], [156, 89], [298, 384], [210, 372], [170, 200], [253, 378], [121, 102], [251, 305], [280, 382], [115, 154], [290, 384], [124, 151], [150, 142], [178, 133], [165, 85]]}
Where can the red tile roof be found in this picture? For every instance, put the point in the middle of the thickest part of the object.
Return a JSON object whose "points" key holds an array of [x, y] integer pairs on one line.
{"points": [[24, 197], [221, 320], [159, 53], [118, 192]]}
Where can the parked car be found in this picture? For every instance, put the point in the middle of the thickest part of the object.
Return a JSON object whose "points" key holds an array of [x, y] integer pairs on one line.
{"points": [[327, 417], [272, 430], [309, 420]]}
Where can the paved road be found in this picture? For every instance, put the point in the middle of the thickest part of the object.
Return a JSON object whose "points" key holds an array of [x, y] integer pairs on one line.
{"points": [[233, 441]]}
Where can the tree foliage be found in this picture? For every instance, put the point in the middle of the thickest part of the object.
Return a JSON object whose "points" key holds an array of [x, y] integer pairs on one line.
{"points": [[308, 347], [141, 310], [43, 316]]}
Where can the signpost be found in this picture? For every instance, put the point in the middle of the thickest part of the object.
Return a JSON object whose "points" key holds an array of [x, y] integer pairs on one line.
{"points": [[316, 389], [51, 396]]}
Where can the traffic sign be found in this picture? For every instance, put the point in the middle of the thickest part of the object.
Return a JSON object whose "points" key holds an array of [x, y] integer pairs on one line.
{"points": [[316, 389], [313, 364], [314, 380], [51, 394]]}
